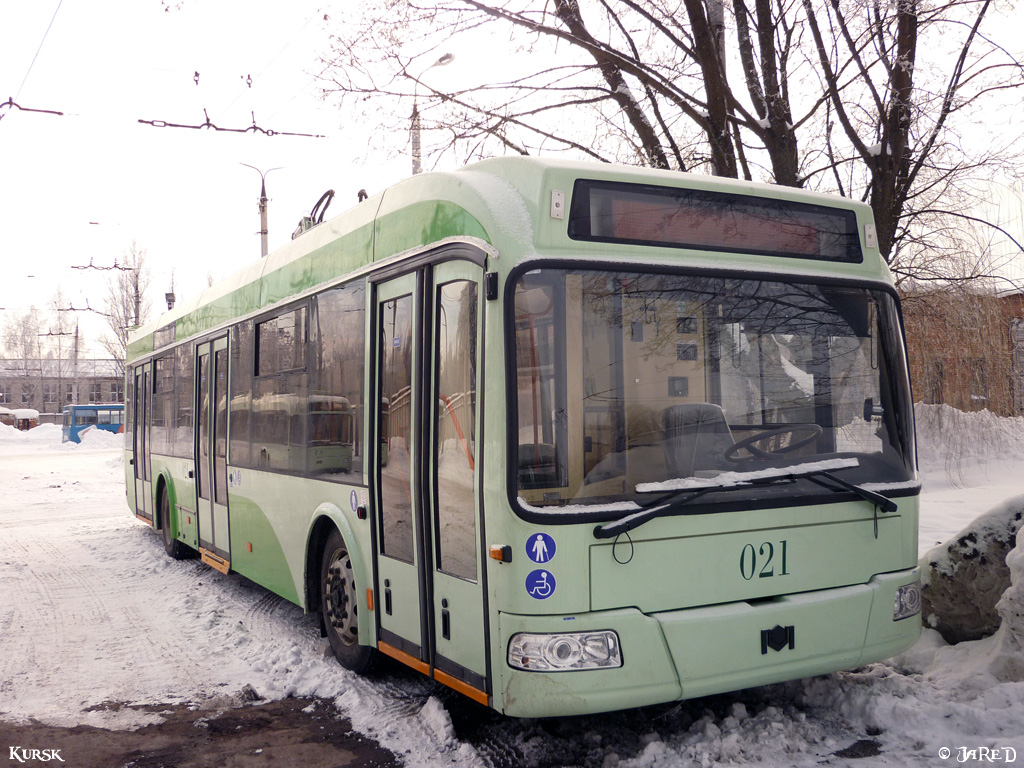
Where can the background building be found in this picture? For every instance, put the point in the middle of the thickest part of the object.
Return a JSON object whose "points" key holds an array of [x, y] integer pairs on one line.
{"points": [[48, 385], [967, 349]]}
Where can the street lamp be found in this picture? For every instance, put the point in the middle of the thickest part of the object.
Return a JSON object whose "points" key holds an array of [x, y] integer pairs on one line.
{"points": [[415, 129], [263, 206]]}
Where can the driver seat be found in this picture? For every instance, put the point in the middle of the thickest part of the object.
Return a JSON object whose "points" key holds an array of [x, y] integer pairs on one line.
{"points": [[696, 435]]}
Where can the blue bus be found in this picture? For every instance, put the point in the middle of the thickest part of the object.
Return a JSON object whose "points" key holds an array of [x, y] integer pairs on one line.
{"points": [[79, 418]]}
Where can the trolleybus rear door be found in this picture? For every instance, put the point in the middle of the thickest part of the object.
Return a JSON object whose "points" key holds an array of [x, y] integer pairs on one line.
{"points": [[430, 596], [142, 386], [211, 453]]}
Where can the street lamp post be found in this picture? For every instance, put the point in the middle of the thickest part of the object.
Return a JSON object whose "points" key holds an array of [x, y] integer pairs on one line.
{"points": [[417, 166], [263, 206]]}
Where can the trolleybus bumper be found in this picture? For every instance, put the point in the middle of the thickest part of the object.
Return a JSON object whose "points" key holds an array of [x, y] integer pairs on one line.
{"points": [[697, 652]]}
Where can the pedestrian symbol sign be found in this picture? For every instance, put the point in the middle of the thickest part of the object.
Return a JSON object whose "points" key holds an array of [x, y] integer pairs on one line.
{"points": [[540, 547]]}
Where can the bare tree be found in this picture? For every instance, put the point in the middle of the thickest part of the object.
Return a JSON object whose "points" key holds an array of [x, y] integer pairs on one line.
{"points": [[866, 99], [23, 344], [126, 304]]}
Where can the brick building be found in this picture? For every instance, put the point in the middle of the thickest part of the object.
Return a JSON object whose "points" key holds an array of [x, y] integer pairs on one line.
{"points": [[967, 350], [49, 385]]}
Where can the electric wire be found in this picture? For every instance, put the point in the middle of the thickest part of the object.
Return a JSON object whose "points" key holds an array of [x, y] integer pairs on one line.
{"points": [[41, 42]]}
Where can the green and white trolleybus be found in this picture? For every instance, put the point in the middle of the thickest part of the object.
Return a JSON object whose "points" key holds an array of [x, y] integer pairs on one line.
{"points": [[565, 437]]}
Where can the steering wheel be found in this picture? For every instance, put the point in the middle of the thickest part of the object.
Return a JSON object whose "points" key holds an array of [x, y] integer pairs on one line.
{"points": [[812, 432]]}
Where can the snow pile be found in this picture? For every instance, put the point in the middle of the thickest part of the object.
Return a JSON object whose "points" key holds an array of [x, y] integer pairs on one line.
{"points": [[1007, 655], [101, 439], [44, 434], [47, 437], [958, 441]]}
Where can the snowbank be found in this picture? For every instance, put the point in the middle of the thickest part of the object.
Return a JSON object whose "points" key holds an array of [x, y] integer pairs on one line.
{"points": [[964, 577], [957, 441], [48, 437]]}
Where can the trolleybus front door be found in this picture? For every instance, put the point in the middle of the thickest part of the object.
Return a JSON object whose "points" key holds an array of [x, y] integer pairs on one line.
{"points": [[211, 453], [142, 386], [429, 571]]}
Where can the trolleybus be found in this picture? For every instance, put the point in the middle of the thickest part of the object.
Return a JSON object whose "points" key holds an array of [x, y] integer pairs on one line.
{"points": [[592, 437], [107, 417]]}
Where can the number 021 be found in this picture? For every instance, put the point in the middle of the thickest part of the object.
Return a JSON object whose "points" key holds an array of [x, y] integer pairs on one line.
{"points": [[765, 556]]}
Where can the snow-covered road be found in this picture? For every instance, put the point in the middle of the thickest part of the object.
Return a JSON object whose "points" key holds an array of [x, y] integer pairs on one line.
{"points": [[94, 616]]}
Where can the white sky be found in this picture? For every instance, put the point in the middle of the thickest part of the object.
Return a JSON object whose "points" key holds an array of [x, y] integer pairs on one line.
{"points": [[181, 194]]}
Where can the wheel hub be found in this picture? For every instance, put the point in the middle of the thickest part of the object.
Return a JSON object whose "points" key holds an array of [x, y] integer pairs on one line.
{"points": [[340, 601]]}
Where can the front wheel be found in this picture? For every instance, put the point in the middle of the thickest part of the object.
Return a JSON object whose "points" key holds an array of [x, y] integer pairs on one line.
{"points": [[339, 607]]}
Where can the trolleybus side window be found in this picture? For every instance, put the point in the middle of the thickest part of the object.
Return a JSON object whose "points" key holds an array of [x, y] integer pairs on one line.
{"points": [[184, 363], [162, 434], [240, 407], [279, 393], [541, 394], [337, 367]]}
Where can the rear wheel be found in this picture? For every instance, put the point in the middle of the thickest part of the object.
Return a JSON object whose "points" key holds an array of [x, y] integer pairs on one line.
{"points": [[339, 607], [172, 546]]}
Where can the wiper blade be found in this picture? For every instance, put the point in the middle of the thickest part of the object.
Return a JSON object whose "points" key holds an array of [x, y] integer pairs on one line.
{"points": [[684, 497], [635, 520], [886, 504]]}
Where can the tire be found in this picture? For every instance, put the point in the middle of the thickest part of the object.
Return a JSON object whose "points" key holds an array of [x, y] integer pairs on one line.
{"points": [[339, 607], [172, 546]]}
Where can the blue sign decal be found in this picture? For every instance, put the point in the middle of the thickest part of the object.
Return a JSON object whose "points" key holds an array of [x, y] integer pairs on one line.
{"points": [[354, 501], [540, 548], [540, 584]]}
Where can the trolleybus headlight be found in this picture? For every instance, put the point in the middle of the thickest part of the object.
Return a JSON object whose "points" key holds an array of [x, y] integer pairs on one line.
{"points": [[908, 601], [564, 652]]}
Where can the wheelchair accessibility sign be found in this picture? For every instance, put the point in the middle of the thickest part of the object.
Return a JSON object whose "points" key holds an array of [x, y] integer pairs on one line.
{"points": [[540, 584]]}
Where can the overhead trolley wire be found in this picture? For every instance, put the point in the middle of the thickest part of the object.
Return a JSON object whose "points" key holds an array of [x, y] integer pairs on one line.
{"points": [[41, 42]]}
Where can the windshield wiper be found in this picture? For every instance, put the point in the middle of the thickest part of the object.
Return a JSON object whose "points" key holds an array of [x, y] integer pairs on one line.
{"points": [[684, 497]]}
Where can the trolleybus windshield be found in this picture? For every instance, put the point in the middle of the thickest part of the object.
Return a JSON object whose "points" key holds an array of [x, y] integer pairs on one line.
{"points": [[633, 385]]}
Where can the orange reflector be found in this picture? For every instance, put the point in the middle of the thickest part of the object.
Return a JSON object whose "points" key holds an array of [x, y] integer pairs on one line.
{"points": [[369, 599], [248, 546], [501, 553]]}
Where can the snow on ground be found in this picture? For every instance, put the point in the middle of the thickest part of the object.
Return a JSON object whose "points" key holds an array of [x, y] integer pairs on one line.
{"points": [[93, 615]]}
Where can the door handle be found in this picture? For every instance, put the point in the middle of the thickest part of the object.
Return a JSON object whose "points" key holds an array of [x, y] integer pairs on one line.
{"points": [[446, 620]]}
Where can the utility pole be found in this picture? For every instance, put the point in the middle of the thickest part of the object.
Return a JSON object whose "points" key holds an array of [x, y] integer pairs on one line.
{"points": [[137, 295], [264, 249], [74, 371]]}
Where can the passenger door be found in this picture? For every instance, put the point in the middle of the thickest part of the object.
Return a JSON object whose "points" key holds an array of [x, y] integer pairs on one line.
{"points": [[211, 453], [142, 384], [431, 608]]}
